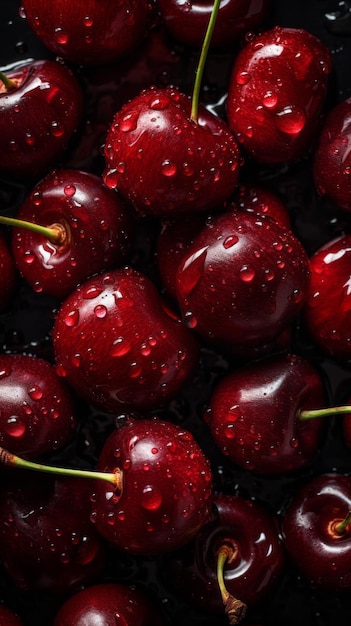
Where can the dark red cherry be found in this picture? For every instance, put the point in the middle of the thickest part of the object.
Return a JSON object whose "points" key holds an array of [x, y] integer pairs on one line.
{"points": [[166, 491], [39, 115], [8, 273], [254, 414], [332, 160], [90, 230], [47, 540], [187, 21], [316, 531], [276, 94], [327, 313], [243, 281], [109, 604], [88, 32], [253, 562], [37, 413], [119, 346], [164, 162]]}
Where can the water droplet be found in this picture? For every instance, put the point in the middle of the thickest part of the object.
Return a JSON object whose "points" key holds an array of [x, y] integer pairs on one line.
{"points": [[69, 190], [35, 392], [291, 120], [120, 347], [247, 274], [242, 78], [57, 129], [230, 241], [100, 311], [270, 100], [15, 427], [168, 168], [60, 36], [129, 122], [151, 498], [72, 318], [160, 102]]}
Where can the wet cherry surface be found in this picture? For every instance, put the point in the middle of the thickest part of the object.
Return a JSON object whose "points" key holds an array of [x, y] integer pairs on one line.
{"points": [[27, 325]]}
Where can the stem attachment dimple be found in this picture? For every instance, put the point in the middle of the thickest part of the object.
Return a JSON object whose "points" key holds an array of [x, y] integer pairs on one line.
{"points": [[234, 608], [10, 85], [340, 528]]}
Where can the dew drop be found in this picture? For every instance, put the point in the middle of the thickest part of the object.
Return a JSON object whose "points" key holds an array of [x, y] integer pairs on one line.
{"points": [[69, 190], [270, 100], [230, 241], [168, 168], [35, 392], [57, 129], [100, 311], [15, 427], [242, 78], [60, 36], [151, 498], [120, 347], [291, 120], [129, 122], [72, 318], [247, 274]]}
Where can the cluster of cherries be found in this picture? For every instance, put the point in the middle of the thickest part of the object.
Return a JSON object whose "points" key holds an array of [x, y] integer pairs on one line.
{"points": [[182, 316]]}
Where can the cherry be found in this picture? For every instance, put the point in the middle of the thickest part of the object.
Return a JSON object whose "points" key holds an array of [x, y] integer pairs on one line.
{"points": [[237, 265], [31, 143], [105, 603], [332, 161], [236, 555], [8, 274], [330, 292], [88, 32], [153, 487], [118, 345], [255, 414], [47, 540], [316, 531], [277, 92], [69, 227], [37, 408], [187, 21]]}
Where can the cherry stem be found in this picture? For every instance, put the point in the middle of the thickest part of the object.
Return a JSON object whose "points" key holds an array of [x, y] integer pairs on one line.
{"points": [[11, 460], [234, 608], [56, 233], [314, 413], [341, 527], [202, 61], [10, 85]]}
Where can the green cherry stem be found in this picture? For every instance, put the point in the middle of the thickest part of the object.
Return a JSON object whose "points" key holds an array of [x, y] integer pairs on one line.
{"points": [[56, 233], [202, 61], [309, 414], [234, 608], [11, 460], [10, 85]]}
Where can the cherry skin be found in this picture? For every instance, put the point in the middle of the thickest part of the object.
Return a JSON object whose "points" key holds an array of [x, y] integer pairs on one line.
{"points": [[8, 274], [330, 292], [8, 617], [32, 143], [92, 231], [119, 346], [37, 408], [47, 540], [166, 491], [165, 163], [88, 32], [261, 201], [276, 94], [316, 531], [332, 160], [254, 414], [187, 22], [105, 603], [238, 264], [255, 558]]}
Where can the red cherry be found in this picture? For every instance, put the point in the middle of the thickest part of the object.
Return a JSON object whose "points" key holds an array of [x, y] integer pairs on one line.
{"points": [[8, 273], [276, 94], [90, 229], [255, 414], [327, 313], [166, 489], [187, 21], [47, 540], [316, 530], [105, 603], [238, 265], [254, 560], [119, 346], [37, 410], [332, 160], [165, 163], [89, 32], [33, 142]]}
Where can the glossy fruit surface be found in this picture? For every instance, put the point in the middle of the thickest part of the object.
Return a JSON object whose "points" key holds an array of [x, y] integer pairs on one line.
{"points": [[237, 265], [118, 345], [89, 32], [108, 604], [309, 527], [163, 162], [254, 414], [276, 94], [330, 291], [96, 231], [31, 143], [167, 488], [37, 409]]}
